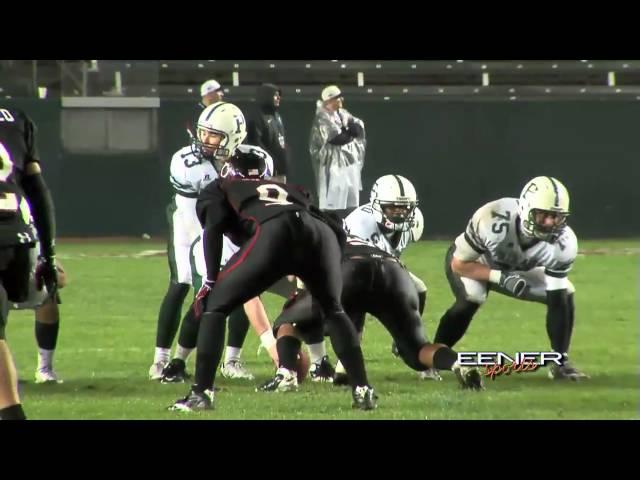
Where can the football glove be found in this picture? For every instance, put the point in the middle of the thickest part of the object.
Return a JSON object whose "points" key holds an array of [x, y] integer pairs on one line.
{"points": [[203, 293]]}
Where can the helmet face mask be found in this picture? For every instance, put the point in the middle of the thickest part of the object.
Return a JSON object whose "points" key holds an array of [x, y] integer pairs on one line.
{"points": [[544, 208], [543, 229], [397, 216], [394, 201]]}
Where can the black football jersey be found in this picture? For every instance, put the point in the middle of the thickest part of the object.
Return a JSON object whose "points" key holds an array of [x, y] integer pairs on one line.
{"points": [[17, 148], [236, 206], [229, 200]]}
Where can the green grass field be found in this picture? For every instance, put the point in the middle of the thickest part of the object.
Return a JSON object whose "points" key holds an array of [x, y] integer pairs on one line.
{"points": [[108, 326]]}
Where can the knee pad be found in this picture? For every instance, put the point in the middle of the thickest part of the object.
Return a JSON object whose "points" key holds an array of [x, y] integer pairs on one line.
{"points": [[474, 291]]}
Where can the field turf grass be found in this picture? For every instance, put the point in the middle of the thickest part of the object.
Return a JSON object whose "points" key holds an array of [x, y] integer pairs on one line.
{"points": [[108, 327]]}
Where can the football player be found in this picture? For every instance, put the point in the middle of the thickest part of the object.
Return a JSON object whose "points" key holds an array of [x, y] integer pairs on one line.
{"points": [[390, 221], [377, 283], [522, 248], [175, 371], [266, 218], [192, 168], [23, 193], [47, 319]]}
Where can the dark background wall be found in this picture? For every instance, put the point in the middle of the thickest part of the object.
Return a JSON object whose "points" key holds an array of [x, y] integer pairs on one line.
{"points": [[458, 154]]}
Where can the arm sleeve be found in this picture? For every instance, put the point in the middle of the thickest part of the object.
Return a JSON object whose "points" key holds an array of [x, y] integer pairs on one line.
{"points": [[30, 131], [213, 212], [43, 212]]}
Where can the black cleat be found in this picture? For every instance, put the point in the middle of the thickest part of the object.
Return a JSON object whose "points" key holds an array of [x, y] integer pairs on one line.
{"points": [[470, 378], [364, 398], [340, 379], [194, 401], [175, 372], [566, 371], [322, 372]]}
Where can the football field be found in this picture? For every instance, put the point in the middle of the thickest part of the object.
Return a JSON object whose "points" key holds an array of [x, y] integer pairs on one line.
{"points": [[107, 336]]}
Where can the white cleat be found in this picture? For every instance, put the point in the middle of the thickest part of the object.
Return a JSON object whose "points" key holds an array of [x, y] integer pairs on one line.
{"points": [[235, 369], [469, 378], [430, 374], [47, 375], [155, 371], [284, 381]]}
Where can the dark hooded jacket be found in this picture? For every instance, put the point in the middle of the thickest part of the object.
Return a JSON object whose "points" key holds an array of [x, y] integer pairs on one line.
{"points": [[265, 128]]}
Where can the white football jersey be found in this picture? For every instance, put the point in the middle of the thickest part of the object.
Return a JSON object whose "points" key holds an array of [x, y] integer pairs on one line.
{"points": [[492, 238], [362, 223], [190, 174]]}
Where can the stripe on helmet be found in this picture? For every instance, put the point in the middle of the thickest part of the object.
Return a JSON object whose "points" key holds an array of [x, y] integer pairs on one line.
{"points": [[555, 190], [400, 185], [214, 109]]}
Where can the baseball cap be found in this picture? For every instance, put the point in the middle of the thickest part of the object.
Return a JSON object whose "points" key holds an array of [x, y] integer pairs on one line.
{"points": [[330, 92], [208, 87]]}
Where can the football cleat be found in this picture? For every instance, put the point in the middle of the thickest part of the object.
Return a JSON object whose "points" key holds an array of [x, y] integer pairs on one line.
{"points": [[566, 371], [47, 375], [322, 372], [194, 401], [470, 378], [155, 371], [430, 374], [175, 372], [340, 379], [235, 369], [364, 398], [284, 381]]}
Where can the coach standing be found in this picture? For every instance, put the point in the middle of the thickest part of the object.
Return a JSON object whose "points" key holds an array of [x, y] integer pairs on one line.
{"points": [[337, 147]]}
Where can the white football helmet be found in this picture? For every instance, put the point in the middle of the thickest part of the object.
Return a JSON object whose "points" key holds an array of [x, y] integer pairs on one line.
{"points": [[417, 229], [226, 120], [543, 195], [394, 202]]}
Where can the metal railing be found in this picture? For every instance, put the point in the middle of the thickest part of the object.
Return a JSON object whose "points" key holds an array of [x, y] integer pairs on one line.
{"points": [[303, 79]]}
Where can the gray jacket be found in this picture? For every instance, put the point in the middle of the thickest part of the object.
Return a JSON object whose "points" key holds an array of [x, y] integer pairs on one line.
{"points": [[337, 147]]}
